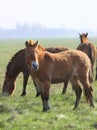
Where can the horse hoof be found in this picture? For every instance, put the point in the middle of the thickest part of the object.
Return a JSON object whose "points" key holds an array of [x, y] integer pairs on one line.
{"points": [[38, 94], [74, 108], [23, 94], [45, 110], [92, 105], [63, 92]]}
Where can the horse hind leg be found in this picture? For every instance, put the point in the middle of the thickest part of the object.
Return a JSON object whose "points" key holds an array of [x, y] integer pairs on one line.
{"points": [[78, 91], [96, 71], [85, 93], [65, 87], [88, 93]]}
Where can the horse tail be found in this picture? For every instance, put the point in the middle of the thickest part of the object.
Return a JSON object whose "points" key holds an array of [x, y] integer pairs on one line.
{"points": [[90, 79], [91, 56], [91, 73]]}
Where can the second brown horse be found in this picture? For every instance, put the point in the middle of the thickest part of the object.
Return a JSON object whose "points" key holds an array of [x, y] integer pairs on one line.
{"points": [[89, 48]]}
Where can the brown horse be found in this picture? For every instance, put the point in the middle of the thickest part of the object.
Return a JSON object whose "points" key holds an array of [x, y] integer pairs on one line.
{"points": [[86, 48], [14, 68], [89, 49], [47, 68]]}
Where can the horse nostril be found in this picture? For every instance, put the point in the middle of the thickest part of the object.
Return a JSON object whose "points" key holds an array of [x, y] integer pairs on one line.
{"points": [[33, 65]]}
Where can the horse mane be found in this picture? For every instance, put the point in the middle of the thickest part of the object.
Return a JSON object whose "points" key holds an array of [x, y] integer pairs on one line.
{"points": [[40, 47], [87, 46], [56, 49], [12, 60]]}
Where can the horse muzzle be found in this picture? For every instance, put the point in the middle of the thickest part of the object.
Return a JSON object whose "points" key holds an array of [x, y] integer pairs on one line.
{"points": [[35, 66]]}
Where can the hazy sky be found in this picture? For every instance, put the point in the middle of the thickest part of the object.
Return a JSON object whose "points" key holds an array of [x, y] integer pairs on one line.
{"points": [[72, 14]]}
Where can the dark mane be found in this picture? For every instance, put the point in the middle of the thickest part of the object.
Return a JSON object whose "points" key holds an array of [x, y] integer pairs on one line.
{"points": [[12, 60]]}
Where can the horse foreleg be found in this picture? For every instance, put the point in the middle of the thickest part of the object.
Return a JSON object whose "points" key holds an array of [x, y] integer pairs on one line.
{"points": [[25, 80], [45, 100], [65, 87], [37, 92], [45, 96]]}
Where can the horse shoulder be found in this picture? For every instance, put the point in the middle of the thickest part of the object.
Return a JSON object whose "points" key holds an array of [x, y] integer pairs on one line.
{"points": [[45, 67]]}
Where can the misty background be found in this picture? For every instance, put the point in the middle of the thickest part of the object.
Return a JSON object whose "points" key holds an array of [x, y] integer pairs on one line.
{"points": [[37, 31], [47, 18]]}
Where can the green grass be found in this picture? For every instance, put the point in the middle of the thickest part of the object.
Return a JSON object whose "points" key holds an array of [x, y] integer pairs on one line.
{"points": [[25, 113]]}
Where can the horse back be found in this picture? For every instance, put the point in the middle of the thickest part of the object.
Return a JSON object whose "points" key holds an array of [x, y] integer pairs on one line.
{"points": [[58, 67], [89, 49], [56, 49]]}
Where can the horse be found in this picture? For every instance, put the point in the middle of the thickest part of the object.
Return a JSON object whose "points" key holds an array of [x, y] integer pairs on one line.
{"points": [[90, 49], [47, 68], [87, 47], [14, 68]]}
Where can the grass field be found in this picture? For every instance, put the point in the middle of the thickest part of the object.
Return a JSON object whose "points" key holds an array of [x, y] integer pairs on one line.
{"points": [[25, 113]]}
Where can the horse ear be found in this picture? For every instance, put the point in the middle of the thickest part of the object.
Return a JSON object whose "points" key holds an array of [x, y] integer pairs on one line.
{"points": [[35, 44], [26, 44], [86, 34]]}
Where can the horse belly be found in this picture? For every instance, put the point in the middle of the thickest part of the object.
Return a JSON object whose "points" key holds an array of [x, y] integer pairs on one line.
{"points": [[61, 78], [57, 81]]}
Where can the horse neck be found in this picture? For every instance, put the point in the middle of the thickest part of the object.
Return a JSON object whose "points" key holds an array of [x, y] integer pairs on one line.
{"points": [[14, 68], [41, 55], [12, 73], [44, 56]]}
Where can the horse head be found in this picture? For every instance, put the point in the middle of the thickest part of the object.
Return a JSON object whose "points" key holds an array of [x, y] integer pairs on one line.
{"points": [[83, 37], [8, 87], [32, 55]]}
